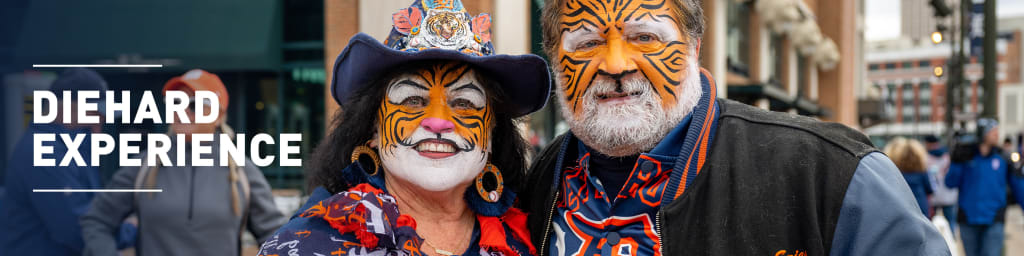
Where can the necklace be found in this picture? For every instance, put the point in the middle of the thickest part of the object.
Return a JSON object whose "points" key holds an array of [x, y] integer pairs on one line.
{"points": [[438, 250]]}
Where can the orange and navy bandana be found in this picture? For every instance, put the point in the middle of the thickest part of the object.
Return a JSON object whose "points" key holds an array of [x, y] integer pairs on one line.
{"points": [[591, 222]]}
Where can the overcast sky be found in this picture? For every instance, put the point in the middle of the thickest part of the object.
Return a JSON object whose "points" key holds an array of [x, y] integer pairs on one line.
{"points": [[882, 17]]}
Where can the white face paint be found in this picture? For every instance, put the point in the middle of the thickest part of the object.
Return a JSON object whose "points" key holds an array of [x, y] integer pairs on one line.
{"points": [[449, 140]]}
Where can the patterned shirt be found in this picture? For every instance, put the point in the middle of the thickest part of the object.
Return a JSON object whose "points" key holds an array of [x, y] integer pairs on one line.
{"points": [[366, 221], [589, 221]]}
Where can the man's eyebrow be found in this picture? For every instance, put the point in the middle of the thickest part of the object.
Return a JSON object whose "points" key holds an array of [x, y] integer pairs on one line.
{"points": [[407, 82], [469, 86]]}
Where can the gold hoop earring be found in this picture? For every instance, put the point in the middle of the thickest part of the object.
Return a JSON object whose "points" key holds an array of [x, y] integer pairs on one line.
{"points": [[493, 195], [364, 150]]}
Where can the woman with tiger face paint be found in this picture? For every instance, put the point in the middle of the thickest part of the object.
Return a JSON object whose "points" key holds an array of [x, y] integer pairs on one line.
{"points": [[425, 156]]}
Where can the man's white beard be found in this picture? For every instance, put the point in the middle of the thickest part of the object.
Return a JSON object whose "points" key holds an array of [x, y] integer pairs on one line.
{"points": [[635, 127], [406, 164]]}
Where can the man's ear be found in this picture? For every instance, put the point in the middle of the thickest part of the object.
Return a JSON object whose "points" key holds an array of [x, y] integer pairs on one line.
{"points": [[698, 49]]}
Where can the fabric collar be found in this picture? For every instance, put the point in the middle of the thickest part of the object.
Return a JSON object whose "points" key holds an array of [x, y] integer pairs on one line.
{"points": [[697, 141]]}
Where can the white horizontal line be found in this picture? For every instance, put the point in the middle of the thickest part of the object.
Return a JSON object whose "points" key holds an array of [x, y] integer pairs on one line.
{"points": [[98, 190], [97, 65]]}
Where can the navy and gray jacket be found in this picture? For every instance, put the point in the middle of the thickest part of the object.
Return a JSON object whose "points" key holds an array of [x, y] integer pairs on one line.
{"points": [[773, 183]]}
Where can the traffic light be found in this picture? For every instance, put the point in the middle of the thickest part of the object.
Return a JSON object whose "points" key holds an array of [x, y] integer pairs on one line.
{"points": [[941, 9]]}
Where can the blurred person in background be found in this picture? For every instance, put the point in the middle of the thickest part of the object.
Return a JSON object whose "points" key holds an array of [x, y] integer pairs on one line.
{"points": [[203, 210], [982, 174], [910, 157], [944, 198], [425, 156], [1008, 146], [44, 223]]}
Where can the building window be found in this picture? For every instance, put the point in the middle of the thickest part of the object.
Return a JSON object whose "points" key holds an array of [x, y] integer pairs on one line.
{"points": [[908, 118], [873, 67], [738, 40], [924, 100], [924, 90], [890, 66], [924, 64], [908, 65], [908, 94], [890, 100]]}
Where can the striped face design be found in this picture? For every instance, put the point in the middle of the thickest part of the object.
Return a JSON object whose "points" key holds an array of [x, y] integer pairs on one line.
{"points": [[434, 126], [447, 91], [604, 39]]}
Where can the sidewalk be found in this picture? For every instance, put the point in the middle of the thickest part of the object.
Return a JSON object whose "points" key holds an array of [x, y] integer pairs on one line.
{"points": [[1014, 231]]}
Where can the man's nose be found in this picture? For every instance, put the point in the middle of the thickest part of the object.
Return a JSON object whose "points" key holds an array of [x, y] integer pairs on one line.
{"points": [[617, 61], [437, 125]]}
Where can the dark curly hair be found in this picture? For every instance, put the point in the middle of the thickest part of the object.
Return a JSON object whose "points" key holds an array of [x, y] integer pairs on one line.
{"points": [[355, 123]]}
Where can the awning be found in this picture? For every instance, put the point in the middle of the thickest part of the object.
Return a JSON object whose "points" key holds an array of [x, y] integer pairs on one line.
{"points": [[780, 99], [222, 35]]}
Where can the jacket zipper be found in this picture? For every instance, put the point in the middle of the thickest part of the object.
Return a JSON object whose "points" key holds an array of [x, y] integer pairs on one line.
{"points": [[191, 192], [657, 224], [547, 229]]}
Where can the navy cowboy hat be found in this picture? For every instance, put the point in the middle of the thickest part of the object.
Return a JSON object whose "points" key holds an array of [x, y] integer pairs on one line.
{"points": [[442, 30]]}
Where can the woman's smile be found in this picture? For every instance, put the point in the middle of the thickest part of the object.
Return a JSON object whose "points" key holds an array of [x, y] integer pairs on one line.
{"points": [[436, 148]]}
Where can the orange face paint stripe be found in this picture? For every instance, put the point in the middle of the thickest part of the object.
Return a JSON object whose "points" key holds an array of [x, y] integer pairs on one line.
{"points": [[661, 62], [398, 122]]}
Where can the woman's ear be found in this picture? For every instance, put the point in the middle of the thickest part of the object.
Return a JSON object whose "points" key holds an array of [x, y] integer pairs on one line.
{"points": [[373, 142]]}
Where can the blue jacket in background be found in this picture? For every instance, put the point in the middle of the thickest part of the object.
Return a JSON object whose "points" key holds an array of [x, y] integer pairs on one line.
{"points": [[47, 223], [921, 186], [983, 182]]}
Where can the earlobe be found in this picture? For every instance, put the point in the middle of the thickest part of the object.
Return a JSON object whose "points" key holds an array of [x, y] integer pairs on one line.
{"points": [[373, 142]]}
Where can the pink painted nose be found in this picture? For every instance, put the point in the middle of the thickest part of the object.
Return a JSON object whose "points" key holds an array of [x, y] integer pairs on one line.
{"points": [[437, 125]]}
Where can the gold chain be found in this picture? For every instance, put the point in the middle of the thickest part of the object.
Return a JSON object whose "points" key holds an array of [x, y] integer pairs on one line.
{"points": [[438, 250]]}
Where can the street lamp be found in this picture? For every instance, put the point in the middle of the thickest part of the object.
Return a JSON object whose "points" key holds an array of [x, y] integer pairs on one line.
{"points": [[937, 36], [938, 71]]}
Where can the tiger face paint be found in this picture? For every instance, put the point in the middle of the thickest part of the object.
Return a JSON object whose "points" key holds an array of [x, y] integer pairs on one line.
{"points": [[627, 73], [434, 126]]}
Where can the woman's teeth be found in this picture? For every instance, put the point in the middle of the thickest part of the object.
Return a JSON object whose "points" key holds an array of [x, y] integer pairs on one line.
{"points": [[435, 147]]}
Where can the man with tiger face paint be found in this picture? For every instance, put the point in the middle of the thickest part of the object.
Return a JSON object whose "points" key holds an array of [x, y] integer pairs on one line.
{"points": [[655, 164], [624, 75]]}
